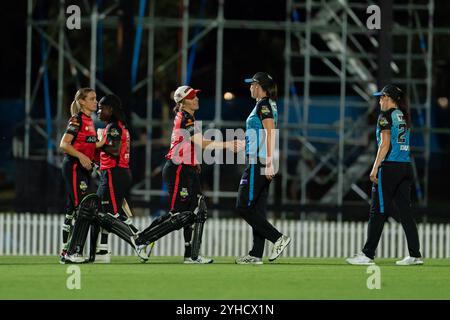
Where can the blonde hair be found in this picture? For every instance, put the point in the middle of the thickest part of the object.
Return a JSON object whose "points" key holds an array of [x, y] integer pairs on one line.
{"points": [[82, 93], [177, 107]]}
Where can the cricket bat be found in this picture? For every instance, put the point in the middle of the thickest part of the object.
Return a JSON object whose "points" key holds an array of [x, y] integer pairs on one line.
{"points": [[126, 208]]}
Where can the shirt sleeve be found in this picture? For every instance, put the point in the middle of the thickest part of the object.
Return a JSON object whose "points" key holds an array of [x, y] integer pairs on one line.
{"points": [[385, 121], [264, 110], [74, 125], [189, 125], [113, 133]]}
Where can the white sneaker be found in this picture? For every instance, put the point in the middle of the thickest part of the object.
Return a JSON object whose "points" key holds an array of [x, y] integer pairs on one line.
{"points": [[200, 260], [103, 257], [248, 259], [74, 258], [360, 259], [279, 246], [409, 261], [141, 250]]}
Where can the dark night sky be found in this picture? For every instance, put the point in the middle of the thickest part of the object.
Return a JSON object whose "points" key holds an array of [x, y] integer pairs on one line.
{"points": [[245, 51]]}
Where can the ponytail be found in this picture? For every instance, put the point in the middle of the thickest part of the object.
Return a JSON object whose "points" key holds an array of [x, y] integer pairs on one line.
{"points": [[271, 90], [177, 108], [403, 105], [75, 106]]}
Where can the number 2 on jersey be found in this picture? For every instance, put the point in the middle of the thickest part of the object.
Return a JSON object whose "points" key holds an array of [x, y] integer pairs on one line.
{"points": [[401, 133]]}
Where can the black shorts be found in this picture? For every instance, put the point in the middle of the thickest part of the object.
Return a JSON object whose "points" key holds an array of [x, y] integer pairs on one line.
{"points": [[183, 185], [393, 191], [77, 181], [114, 186]]}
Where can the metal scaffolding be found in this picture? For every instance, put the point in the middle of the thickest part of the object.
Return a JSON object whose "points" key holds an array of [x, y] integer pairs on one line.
{"points": [[330, 32], [334, 34]]}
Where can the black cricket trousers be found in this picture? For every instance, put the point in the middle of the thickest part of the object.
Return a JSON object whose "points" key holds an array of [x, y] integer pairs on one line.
{"points": [[183, 185], [114, 186], [251, 205], [390, 196]]}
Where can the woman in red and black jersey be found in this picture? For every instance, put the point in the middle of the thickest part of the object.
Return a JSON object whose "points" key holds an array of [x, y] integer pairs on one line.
{"points": [[115, 173], [78, 144], [181, 171]]}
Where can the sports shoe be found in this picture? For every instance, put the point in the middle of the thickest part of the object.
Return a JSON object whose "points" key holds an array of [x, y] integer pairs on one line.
{"points": [[360, 259], [103, 256], [248, 259], [200, 260], [279, 246], [141, 250], [409, 261], [74, 258]]}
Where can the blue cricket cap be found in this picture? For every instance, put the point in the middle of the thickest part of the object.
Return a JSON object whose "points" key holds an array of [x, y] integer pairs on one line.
{"points": [[391, 91], [262, 78]]}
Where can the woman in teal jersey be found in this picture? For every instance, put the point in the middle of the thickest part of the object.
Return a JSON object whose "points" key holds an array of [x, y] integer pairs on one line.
{"points": [[392, 178], [254, 185]]}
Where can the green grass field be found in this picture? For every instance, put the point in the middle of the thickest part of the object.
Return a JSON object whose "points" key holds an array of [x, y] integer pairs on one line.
{"points": [[169, 279]]}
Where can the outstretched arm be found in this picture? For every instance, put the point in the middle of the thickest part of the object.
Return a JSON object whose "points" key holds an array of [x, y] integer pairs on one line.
{"points": [[233, 145]]}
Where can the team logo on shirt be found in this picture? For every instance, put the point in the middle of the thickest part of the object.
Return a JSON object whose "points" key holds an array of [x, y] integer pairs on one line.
{"points": [[184, 193], [83, 186], [400, 118], [265, 110], [383, 121], [114, 132]]}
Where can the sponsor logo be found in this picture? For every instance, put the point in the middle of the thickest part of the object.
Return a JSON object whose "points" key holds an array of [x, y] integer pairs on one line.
{"points": [[265, 110], [184, 193], [91, 139], [83, 186], [404, 148], [114, 132], [383, 122]]}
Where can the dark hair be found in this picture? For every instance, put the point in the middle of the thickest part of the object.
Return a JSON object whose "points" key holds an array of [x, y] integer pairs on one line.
{"points": [[403, 105], [114, 102], [271, 89]]}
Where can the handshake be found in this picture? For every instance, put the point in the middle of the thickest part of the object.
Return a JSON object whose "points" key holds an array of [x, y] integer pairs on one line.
{"points": [[235, 145]]}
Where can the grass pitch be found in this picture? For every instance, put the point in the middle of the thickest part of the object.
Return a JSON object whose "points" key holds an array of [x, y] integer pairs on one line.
{"points": [[166, 278]]}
